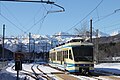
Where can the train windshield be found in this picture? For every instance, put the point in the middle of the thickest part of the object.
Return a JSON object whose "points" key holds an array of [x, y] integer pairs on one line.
{"points": [[83, 53]]}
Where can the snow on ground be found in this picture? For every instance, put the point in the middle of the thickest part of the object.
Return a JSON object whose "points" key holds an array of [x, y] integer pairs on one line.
{"points": [[47, 69], [9, 74], [109, 67]]}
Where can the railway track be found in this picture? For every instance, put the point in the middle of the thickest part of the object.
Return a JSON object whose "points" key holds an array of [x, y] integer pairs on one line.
{"points": [[30, 74], [45, 72], [35, 75], [41, 74], [61, 74]]}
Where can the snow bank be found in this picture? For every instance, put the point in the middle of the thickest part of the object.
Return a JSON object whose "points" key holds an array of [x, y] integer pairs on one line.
{"points": [[113, 68], [9, 76]]}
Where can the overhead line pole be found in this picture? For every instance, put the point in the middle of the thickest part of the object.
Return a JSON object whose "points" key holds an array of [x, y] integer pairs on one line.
{"points": [[91, 30], [96, 44], [3, 41], [29, 47]]}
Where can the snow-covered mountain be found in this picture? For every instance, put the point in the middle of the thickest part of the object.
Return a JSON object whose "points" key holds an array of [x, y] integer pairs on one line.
{"points": [[114, 33], [39, 43], [100, 34]]}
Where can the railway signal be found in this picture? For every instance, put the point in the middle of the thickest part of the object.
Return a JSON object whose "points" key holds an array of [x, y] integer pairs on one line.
{"points": [[18, 62], [18, 66]]}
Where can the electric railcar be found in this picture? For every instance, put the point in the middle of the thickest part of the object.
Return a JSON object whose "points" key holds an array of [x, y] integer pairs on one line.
{"points": [[75, 57]]}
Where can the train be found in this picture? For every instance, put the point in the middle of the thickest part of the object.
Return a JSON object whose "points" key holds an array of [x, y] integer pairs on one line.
{"points": [[75, 56]]}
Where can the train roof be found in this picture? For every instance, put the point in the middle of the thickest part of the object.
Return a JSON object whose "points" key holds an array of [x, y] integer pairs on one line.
{"points": [[71, 44]]}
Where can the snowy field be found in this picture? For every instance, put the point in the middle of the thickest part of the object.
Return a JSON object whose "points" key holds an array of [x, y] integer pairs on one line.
{"points": [[113, 68], [10, 74]]}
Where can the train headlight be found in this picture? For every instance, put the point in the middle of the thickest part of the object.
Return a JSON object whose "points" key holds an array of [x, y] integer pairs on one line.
{"points": [[91, 68]]}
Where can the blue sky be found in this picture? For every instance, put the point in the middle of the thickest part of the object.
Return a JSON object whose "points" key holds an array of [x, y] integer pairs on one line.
{"points": [[22, 17]]}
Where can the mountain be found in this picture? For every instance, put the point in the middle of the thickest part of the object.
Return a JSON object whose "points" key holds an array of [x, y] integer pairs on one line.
{"points": [[100, 34], [40, 43], [114, 33]]}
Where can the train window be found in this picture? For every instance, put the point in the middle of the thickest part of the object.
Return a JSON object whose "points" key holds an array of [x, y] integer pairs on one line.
{"points": [[53, 56], [70, 54], [62, 58], [83, 53], [65, 54], [58, 56]]}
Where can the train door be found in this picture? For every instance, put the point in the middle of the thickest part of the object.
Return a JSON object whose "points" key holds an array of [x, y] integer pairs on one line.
{"points": [[70, 54], [65, 54], [62, 58]]}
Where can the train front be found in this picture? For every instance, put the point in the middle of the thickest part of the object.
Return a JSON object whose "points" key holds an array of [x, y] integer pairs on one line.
{"points": [[83, 59]]}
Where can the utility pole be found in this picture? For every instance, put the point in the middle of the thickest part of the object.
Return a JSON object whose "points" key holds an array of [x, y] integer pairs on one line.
{"points": [[29, 46], [29, 41], [3, 41], [91, 30], [34, 51], [97, 41]]}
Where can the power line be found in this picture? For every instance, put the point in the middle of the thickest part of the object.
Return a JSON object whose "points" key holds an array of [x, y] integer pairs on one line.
{"points": [[37, 22], [97, 14], [36, 14], [85, 16], [62, 10], [54, 11], [44, 18], [116, 29], [47, 2], [40, 25], [11, 22], [44, 7], [12, 15], [112, 25], [115, 11]]}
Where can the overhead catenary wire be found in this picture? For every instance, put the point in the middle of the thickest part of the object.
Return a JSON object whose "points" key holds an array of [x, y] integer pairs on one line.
{"points": [[12, 15], [41, 24], [97, 13], [113, 26], [115, 11], [12, 23], [36, 23], [36, 14], [62, 10], [85, 16], [41, 1]]}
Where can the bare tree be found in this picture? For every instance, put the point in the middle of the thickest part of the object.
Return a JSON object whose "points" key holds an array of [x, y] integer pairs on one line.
{"points": [[83, 30]]}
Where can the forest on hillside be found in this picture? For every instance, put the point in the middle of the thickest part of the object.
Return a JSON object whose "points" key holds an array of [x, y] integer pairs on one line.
{"points": [[109, 50]]}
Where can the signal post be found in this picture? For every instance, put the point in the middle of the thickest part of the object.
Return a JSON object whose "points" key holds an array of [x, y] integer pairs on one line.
{"points": [[18, 63]]}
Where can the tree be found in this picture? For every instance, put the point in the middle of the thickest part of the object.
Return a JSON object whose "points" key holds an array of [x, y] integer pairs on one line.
{"points": [[83, 30]]}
